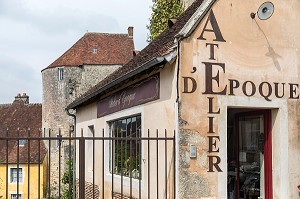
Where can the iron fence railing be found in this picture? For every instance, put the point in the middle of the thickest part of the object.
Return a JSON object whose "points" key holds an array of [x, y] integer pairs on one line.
{"points": [[102, 166]]}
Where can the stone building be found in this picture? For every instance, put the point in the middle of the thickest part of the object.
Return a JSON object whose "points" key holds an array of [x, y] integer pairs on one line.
{"points": [[225, 77], [87, 62]]}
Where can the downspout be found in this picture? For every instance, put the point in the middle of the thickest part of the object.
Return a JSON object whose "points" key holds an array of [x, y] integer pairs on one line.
{"points": [[74, 151], [177, 120], [178, 69]]}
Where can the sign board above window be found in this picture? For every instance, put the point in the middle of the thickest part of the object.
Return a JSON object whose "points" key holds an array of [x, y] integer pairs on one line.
{"points": [[139, 93]]}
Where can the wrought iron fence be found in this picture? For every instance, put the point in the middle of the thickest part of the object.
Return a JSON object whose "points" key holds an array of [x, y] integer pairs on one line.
{"points": [[103, 166]]}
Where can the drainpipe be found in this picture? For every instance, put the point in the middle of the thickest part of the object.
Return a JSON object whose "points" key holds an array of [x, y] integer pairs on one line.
{"points": [[177, 120], [74, 159]]}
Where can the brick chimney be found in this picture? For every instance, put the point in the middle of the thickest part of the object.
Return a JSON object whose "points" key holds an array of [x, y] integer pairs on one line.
{"points": [[130, 31], [22, 98]]}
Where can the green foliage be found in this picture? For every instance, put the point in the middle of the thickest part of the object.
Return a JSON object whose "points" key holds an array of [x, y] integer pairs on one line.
{"points": [[124, 162], [162, 11], [67, 180]]}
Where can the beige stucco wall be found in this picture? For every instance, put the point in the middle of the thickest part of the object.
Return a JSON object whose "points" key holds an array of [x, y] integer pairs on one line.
{"points": [[156, 115], [254, 50]]}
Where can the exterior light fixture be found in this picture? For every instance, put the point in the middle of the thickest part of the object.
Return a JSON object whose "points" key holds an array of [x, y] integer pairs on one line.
{"points": [[265, 11]]}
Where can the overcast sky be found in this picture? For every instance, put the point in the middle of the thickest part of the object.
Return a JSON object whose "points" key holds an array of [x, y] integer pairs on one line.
{"points": [[34, 33]]}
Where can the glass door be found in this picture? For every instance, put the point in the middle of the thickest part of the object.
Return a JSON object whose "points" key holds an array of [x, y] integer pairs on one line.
{"points": [[249, 155]]}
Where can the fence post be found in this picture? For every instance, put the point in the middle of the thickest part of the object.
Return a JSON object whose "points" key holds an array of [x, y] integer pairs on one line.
{"points": [[81, 166]]}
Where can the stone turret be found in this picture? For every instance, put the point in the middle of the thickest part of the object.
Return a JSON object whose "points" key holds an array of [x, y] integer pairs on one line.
{"points": [[87, 62]]}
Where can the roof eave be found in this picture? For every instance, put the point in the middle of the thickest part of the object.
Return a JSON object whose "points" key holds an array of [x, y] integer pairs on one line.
{"points": [[196, 18], [151, 63]]}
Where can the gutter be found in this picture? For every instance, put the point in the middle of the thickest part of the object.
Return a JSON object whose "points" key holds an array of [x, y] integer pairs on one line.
{"points": [[149, 64]]}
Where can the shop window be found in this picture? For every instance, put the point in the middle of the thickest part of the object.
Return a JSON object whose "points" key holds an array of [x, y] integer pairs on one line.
{"points": [[16, 173], [125, 154], [60, 74], [16, 196]]}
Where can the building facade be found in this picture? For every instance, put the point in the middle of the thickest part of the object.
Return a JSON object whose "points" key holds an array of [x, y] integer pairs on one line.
{"points": [[88, 61], [22, 176], [225, 77]]}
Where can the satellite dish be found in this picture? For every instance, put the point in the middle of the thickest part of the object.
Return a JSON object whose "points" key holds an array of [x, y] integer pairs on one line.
{"points": [[265, 11]]}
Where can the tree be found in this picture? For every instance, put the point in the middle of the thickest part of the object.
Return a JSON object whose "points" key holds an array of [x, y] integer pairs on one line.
{"points": [[162, 11]]}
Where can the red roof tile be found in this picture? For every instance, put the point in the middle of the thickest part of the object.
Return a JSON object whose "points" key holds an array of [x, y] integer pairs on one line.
{"points": [[110, 49], [16, 119]]}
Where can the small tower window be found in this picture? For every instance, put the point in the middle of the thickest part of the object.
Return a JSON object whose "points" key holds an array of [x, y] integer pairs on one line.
{"points": [[60, 73], [58, 140], [94, 51]]}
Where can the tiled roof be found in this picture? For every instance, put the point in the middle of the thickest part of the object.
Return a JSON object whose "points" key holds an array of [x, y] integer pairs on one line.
{"points": [[16, 119], [98, 49], [158, 47]]}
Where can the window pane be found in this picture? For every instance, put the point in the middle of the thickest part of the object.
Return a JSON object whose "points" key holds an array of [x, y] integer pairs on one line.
{"points": [[22, 142], [127, 152], [15, 196], [60, 73], [14, 175]]}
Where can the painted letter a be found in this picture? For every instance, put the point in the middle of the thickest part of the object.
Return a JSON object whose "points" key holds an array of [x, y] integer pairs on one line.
{"points": [[214, 28]]}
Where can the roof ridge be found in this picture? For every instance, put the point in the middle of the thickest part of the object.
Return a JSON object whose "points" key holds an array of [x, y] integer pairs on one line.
{"points": [[8, 104], [30, 104], [34, 104], [105, 33], [81, 52]]}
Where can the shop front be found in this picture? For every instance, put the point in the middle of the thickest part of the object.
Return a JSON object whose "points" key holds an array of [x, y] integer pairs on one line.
{"points": [[227, 83], [239, 103]]}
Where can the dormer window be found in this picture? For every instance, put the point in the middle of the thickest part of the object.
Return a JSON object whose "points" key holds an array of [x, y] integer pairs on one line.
{"points": [[94, 51], [22, 142], [60, 73]]}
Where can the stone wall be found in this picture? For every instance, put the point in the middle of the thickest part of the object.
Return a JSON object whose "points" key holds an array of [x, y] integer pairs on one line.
{"points": [[91, 75], [57, 94]]}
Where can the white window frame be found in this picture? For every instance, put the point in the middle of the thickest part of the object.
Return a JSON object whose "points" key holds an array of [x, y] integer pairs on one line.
{"points": [[10, 174], [111, 135], [20, 194], [115, 116]]}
